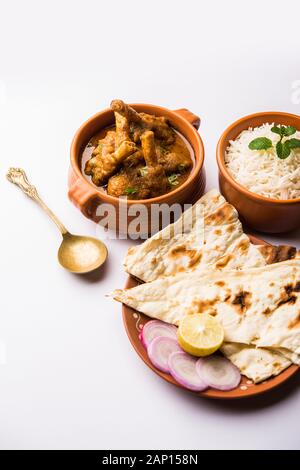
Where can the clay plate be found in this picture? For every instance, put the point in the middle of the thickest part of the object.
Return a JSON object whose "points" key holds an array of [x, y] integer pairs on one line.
{"points": [[134, 322]]}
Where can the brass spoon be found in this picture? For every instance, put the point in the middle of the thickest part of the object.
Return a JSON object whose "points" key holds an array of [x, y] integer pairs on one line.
{"points": [[76, 253]]}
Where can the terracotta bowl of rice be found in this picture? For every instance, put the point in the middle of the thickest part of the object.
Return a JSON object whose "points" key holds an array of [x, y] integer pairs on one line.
{"points": [[262, 183]]}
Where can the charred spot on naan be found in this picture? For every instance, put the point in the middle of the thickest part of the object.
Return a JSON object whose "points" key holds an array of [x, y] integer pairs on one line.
{"points": [[267, 311], [181, 250], [227, 295], [230, 228], [276, 254], [220, 283], [218, 232], [195, 259], [177, 250], [179, 269], [216, 198], [290, 300], [223, 261], [207, 306], [243, 245], [242, 301], [289, 289], [295, 323], [224, 215], [276, 364], [296, 287], [287, 295], [213, 312]]}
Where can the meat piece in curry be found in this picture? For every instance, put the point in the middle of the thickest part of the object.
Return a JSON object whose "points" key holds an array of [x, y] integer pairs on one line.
{"points": [[141, 157], [102, 166], [146, 180], [139, 122]]}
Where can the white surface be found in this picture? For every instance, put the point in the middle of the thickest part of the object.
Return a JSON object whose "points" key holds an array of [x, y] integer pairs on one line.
{"points": [[71, 378]]}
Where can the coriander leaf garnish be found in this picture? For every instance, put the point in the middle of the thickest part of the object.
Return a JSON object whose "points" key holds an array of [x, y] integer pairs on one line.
{"points": [[173, 180], [260, 143], [131, 190]]}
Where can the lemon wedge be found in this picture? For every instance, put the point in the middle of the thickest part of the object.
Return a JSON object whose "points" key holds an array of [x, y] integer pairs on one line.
{"points": [[200, 334]]}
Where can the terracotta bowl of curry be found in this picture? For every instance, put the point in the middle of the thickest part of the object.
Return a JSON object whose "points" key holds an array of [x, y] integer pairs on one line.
{"points": [[129, 158], [264, 214]]}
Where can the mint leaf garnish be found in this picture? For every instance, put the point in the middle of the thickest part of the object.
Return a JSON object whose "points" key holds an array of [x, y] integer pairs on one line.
{"points": [[260, 143], [289, 130], [277, 130], [293, 143], [283, 150]]}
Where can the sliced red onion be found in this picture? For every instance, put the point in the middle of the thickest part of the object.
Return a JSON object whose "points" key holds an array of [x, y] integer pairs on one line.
{"points": [[155, 328], [159, 351], [183, 369], [218, 372]]}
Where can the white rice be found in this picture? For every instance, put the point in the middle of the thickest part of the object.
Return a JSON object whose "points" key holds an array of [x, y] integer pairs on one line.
{"points": [[261, 171]]}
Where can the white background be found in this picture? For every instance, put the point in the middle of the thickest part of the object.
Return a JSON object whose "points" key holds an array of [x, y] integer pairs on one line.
{"points": [[71, 378]]}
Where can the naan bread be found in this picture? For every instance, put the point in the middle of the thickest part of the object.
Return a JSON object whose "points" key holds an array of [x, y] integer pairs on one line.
{"points": [[257, 364], [291, 356], [207, 234], [210, 235], [260, 306]]}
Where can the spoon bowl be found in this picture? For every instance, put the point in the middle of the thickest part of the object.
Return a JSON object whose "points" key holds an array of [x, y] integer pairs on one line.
{"points": [[81, 254]]}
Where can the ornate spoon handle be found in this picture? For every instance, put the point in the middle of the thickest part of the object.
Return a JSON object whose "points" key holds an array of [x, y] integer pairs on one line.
{"points": [[18, 177]]}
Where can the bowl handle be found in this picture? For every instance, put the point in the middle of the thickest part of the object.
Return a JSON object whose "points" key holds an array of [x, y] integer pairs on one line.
{"points": [[82, 195], [189, 116]]}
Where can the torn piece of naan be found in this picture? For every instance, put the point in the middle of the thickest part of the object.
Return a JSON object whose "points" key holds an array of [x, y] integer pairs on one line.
{"points": [[209, 234], [257, 364], [260, 306]]}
